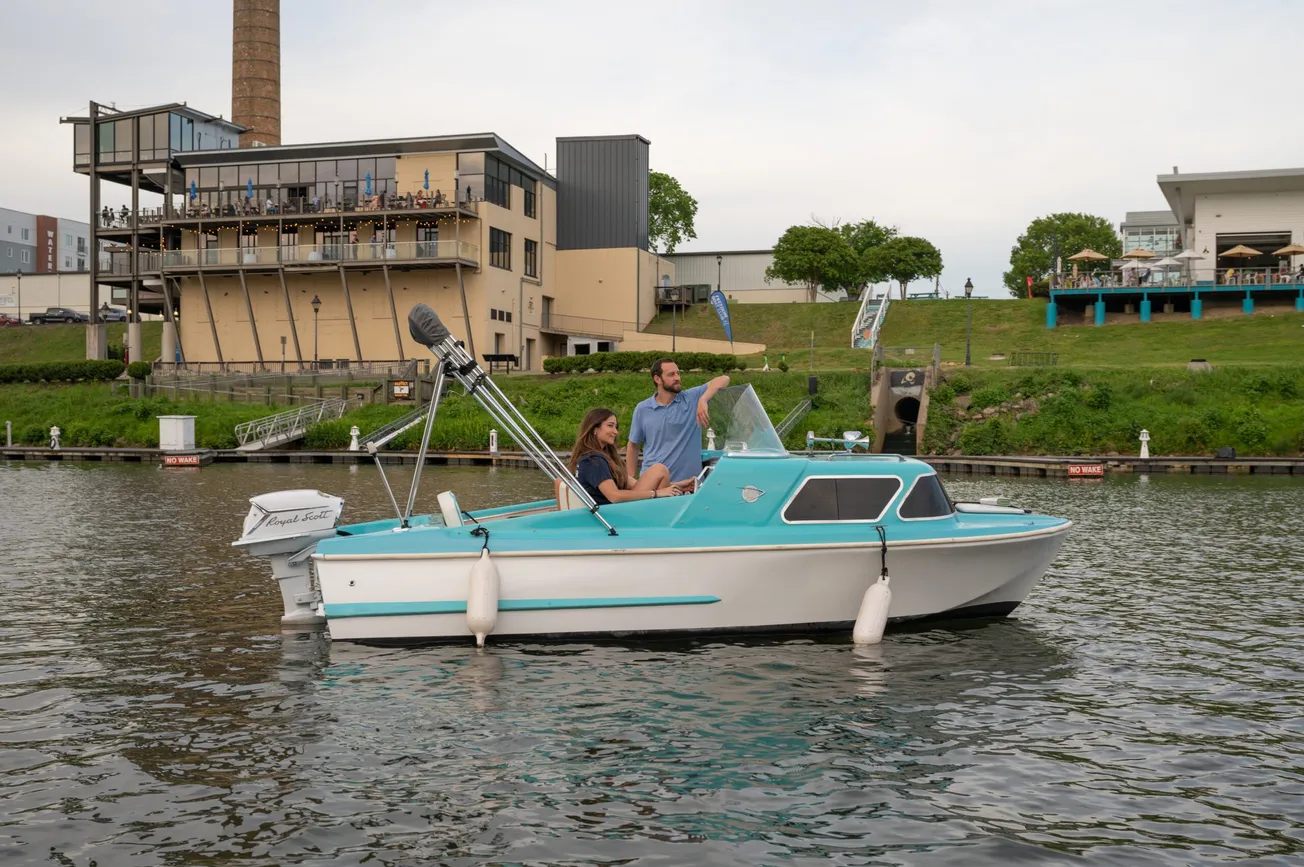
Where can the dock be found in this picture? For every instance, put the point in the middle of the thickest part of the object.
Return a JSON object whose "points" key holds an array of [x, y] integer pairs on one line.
{"points": [[1036, 467]]}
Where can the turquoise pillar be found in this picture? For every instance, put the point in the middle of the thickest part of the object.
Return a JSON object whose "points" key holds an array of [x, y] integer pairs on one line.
{"points": [[1052, 312], [1197, 308], [1299, 302], [1145, 308], [1100, 312], [1247, 304]]}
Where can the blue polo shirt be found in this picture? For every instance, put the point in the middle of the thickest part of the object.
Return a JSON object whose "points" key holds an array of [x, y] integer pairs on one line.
{"points": [[669, 434]]}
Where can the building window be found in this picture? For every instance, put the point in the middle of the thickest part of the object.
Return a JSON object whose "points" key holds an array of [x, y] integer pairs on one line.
{"points": [[27, 234], [500, 315], [531, 258], [26, 257], [67, 240], [500, 249], [67, 262], [497, 182], [851, 498], [10, 251], [529, 198]]}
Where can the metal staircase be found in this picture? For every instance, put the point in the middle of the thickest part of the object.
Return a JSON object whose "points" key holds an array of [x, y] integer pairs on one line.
{"points": [[864, 335], [284, 427], [382, 435]]}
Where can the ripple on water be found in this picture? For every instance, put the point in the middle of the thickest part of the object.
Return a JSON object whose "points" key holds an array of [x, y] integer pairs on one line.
{"points": [[1143, 708]]}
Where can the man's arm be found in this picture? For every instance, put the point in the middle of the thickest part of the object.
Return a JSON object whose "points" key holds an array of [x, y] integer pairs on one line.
{"points": [[703, 414], [631, 459]]}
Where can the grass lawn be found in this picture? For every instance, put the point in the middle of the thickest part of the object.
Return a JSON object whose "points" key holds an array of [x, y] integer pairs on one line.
{"points": [[35, 343], [1004, 326], [785, 329]]}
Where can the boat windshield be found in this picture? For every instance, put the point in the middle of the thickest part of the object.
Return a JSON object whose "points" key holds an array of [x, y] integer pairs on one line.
{"points": [[741, 425]]}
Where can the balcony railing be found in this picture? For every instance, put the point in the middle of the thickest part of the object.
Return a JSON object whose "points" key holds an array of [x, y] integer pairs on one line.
{"points": [[126, 219], [586, 326], [123, 218], [1139, 280], [396, 253], [118, 262]]}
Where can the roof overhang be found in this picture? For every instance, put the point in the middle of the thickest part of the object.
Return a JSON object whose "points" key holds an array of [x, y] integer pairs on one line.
{"points": [[1181, 190]]}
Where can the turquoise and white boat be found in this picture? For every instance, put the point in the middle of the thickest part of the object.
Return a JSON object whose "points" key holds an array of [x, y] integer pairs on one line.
{"points": [[771, 542]]}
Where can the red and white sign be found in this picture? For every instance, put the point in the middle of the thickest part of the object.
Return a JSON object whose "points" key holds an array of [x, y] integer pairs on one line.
{"points": [[181, 460], [1086, 469]]}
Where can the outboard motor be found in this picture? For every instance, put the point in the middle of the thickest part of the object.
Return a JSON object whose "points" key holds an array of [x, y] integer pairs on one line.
{"points": [[285, 527]]}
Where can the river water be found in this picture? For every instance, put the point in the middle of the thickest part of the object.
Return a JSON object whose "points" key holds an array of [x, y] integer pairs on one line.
{"points": [[1145, 706]]}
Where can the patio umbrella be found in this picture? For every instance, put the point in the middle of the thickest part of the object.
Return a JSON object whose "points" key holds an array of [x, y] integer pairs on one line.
{"points": [[1138, 253], [368, 188], [1166, 263], [193, 194], [249, 189], [1290, 250], [1188, 256], [426, 185], [1240, 251], [1090, 255]]}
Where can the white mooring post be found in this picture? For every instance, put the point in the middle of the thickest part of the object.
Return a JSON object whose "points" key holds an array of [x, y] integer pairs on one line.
{"points": [[55, 433], [353, 438], [493, 443], [9, 433], [1145, 444], [710, 439]]}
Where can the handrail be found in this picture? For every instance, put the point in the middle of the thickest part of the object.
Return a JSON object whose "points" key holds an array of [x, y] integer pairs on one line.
{"points": [[877, 312], [326, 254], [795, 415], [293, 421]]}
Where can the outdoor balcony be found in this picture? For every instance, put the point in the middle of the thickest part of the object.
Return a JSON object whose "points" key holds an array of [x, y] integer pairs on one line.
{"points": [[118, 263], [402, 254], [371, 209], [585, 326]]}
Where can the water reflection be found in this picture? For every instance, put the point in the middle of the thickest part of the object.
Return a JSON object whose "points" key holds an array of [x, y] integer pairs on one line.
{"points": [[1144, 708]]}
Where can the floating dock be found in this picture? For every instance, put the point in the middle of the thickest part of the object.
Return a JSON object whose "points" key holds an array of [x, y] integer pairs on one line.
{"points": [[1039, 467]]}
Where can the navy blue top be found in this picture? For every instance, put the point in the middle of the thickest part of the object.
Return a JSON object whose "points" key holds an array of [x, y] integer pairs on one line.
{"points": [[592, 470]]}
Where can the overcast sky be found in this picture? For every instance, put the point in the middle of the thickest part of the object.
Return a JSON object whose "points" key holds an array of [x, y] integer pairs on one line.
{"points": [[957, 121]]}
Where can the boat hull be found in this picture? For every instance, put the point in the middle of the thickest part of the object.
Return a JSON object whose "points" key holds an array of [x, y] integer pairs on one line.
{"points": [[615, 593]]}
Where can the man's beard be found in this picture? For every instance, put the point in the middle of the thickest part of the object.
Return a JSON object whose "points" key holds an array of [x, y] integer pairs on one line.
{"points": [[673, 389]]}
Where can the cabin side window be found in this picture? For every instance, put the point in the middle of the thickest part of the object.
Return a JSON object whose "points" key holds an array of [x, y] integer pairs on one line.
{"points": [[854, 498], [927, 499]]}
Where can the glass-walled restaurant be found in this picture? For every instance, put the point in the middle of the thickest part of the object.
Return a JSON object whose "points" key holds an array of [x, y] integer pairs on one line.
{"points": [[341, 185], [150, 137]]}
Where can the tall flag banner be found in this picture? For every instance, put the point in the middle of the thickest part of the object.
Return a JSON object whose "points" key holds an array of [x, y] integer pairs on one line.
{"points": [[722, 310]]}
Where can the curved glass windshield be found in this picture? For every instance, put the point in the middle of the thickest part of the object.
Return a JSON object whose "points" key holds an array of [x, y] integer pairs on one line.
{"points": [[740, 423]]}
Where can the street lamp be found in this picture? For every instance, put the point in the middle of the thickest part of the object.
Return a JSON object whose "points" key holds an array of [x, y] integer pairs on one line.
{"points": [[316, 305], [20, 297], [719, 260], [968, 319]]}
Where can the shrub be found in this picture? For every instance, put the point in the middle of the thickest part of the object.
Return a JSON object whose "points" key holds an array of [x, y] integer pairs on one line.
{"points": [[138, 369], [327, 435], [60, 371], [783, 365], [992, 394], [115, 351], [1100, 397], [961, 383], [943, 395], [639, 362]]}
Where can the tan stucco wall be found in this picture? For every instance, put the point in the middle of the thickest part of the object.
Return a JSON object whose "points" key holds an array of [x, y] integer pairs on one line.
{"points": [[636, 341], [617, 284], [487, 288]]}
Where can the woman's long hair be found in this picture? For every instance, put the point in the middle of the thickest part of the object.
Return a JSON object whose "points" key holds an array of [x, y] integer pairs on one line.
{"points": [[587, 443]]}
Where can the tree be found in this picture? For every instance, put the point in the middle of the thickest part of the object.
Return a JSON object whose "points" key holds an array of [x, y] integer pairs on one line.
{"points": [[1033, 255], [904, 259], [816, 256], [670, 213], [864, 237]]}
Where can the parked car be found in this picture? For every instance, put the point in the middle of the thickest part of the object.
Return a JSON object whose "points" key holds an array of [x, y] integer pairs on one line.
{"points": [[113, 314], [6, 319], [59, 314]]}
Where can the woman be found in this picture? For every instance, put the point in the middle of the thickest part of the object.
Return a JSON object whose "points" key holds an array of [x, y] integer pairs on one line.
{"points": [[597, 464]]}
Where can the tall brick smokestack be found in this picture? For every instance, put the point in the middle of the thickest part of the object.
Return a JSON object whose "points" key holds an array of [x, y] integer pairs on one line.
{"points": [[256, 70]]}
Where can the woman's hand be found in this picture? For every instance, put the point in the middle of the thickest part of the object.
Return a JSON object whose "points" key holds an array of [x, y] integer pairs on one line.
{"points": [[673, 490]]}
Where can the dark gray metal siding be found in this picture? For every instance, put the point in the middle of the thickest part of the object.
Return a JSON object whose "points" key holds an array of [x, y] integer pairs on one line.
{"points": [[602, 192]]}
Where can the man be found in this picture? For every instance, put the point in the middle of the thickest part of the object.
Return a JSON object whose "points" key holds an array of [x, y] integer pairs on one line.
{"points": [[669, 424]]}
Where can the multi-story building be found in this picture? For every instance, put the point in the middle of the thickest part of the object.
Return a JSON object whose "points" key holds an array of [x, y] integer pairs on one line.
{"points": [[1156, 231], [39, 244], [315, 252]]}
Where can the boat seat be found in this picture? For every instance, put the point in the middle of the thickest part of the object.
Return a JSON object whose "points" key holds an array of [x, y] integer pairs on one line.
{"points": [[566, 498], [450, 509]]}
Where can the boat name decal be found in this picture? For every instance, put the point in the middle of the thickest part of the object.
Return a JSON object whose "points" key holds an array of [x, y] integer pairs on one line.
{"points": [[301, 517]]}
